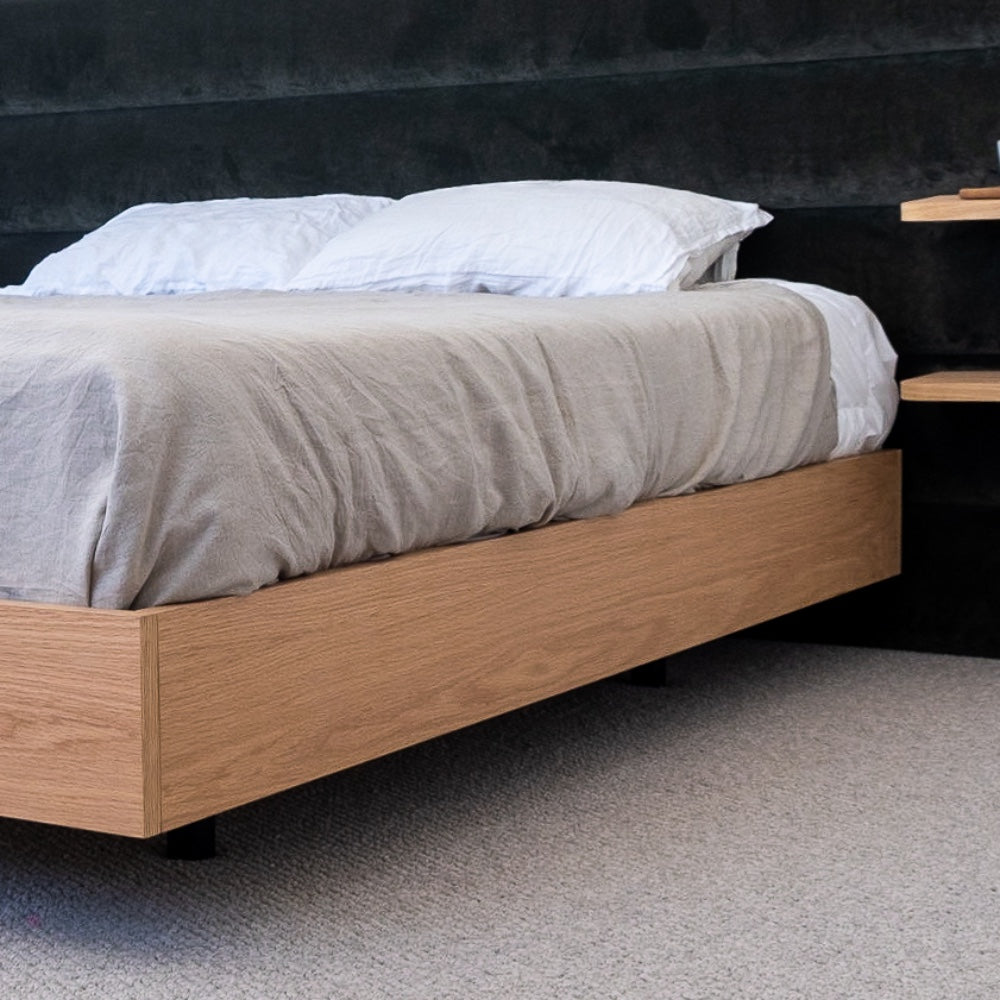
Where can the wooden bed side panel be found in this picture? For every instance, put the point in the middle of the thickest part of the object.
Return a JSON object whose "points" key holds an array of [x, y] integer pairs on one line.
{"points": [[78, 718], [299, 680]]}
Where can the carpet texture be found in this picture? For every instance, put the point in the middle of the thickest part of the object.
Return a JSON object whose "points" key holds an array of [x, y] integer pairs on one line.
{"points": [[779, 821]]}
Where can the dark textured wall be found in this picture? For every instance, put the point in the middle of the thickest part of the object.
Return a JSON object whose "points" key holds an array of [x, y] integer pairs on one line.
{"points": [[793, 103], [828, 112]]}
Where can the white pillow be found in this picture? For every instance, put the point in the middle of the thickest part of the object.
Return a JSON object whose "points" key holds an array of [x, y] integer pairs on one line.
{"points": [[548, 238], [199, 246]]}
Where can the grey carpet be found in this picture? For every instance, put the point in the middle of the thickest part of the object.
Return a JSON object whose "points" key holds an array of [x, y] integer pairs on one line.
{"points": [[781, 821]]}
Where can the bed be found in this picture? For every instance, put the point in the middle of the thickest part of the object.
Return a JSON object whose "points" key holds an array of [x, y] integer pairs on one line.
{"points": [[415, 519]]}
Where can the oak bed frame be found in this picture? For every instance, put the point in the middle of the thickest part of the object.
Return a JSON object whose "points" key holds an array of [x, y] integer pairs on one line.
{"points": [[141, 722]]}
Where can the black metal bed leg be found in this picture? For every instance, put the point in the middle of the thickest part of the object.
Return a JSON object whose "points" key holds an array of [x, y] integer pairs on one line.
{"points": [[662, 673], [654, 675], [194, 842]]}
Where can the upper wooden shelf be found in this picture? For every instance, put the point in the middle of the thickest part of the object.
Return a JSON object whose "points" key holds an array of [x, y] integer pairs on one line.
{"points": [[953, 387], [949, 208]]}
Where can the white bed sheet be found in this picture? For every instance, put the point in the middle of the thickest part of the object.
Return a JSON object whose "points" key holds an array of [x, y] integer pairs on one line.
{"points": [[863, 368]]}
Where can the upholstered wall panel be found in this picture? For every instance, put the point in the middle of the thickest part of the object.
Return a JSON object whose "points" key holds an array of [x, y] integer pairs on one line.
{"points": [[774, 134], [85, 54]]}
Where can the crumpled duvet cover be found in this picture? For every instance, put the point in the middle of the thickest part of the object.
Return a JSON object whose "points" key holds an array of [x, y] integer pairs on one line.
{"points": [[169, 448]]}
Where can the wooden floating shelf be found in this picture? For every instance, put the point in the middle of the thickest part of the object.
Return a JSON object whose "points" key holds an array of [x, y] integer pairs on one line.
{"points": [[950, 208], [953, 387]]}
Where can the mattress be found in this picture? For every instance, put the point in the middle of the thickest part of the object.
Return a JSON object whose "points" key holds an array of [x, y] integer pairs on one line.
{"points": [[170, 448]]}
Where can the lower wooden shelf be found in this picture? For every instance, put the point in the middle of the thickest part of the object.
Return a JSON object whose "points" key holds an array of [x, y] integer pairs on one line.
{"points": [[953, 387]]}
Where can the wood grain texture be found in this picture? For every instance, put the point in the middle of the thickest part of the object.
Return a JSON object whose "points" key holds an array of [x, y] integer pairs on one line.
{"points": [[950, 208], [311, 676], [74, 703], [149, 695], [953, 387]]}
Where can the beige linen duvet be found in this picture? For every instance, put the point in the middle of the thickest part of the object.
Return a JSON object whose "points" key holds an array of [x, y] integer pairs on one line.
{"points": [[167, 448]]}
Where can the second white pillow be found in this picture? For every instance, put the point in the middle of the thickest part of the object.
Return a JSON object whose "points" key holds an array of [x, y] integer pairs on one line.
{"points": [[546, 238]]}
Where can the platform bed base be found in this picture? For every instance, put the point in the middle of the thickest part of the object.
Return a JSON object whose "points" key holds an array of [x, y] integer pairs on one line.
{"points": [[141, 722]]}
